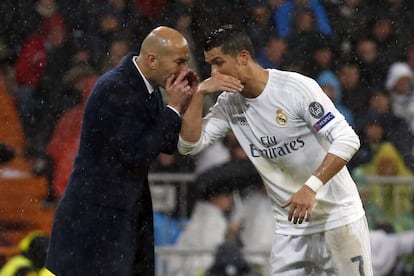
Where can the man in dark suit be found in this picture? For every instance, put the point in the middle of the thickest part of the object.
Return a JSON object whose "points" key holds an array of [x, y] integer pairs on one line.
{"points": [[104, 221]]}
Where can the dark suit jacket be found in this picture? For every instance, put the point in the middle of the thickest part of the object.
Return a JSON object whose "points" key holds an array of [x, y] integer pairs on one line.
{"points": [[105, 215]]}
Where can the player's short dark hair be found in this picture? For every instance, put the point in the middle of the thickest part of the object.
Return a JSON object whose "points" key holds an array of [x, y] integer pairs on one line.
{"points": [[231, 39]]}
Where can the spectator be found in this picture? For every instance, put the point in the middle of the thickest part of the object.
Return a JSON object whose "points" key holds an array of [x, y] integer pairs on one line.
{"points": [[283, 16], [391, 44], [372, 68], [388, 250], [273, 53], [322, 57], [82, 51], [303, 34], [396, 129], [64, 143], [109, 26], [259, 25], [385, 160], [376, 216], [206, 229], [257, 225], [31, 257], [331, 86], [355, 94], [118, 48], [401, 14], [399, 83]]}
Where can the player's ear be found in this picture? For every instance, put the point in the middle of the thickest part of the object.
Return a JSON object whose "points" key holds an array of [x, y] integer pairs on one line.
{"points": [[243, 57]]}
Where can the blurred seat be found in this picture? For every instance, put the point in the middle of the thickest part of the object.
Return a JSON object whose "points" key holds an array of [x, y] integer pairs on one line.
{"points": [[11, 132]]}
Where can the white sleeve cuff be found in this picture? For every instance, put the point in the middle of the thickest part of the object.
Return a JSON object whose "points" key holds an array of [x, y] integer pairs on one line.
{"points": [[345, 141], [175, 110], [189, 148]]}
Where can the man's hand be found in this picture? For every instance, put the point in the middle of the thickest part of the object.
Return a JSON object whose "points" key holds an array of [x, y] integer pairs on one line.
{"points": [[193, 81], [301, 205], [180, 89], [220, 82]]}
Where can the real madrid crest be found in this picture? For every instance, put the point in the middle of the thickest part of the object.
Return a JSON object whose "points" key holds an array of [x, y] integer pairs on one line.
{"points": [[281, 117]]}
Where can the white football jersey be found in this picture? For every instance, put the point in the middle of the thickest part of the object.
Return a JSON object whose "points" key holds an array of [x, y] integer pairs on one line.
{"points": [[287, 131]]}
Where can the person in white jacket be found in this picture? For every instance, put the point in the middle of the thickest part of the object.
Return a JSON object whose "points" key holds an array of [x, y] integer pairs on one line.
{"points": [[206, 229], [300, 145], [387, 248], [257, 226], [400, 85]]}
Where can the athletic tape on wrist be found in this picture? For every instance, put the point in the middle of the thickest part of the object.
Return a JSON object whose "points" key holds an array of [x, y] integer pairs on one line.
{"points": [[314, 183]]}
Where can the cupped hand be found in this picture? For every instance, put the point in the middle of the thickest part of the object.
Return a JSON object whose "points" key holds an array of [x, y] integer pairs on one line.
{"points": [[220, 82], [180, 88]]}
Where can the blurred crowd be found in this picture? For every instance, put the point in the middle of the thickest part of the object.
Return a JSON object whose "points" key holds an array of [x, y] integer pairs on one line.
{"points": [[361, 52]]}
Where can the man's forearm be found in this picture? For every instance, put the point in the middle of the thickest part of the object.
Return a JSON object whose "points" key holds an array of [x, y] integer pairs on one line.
{"points": [[330, 166], [193, 118]]}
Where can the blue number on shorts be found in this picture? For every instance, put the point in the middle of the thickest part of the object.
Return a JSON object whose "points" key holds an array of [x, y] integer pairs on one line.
{"points": [[361, 264]]}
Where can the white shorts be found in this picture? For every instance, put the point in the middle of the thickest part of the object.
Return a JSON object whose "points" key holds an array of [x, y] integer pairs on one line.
{"points": [[341, 251]]}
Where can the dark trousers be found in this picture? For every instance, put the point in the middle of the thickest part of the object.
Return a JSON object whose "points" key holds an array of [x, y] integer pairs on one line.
{"points": [[144, 264]]}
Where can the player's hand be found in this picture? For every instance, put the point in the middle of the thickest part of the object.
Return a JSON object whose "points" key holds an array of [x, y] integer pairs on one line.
{"points": [[180, 88], [193, 81], [220, 82], [301, 205]]}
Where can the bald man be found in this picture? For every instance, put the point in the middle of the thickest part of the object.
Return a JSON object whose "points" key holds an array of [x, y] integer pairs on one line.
{"points": [[104, 221]]}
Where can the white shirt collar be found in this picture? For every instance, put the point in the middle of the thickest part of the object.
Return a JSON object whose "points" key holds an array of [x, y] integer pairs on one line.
{"points": [[150, 88]]}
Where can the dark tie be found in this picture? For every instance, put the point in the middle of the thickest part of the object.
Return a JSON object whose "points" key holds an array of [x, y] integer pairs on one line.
{"points": [[156, 92], [154, 101]]}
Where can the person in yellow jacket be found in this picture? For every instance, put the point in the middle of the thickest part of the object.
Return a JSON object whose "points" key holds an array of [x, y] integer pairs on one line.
{"points": [[31, 259], [387, 161]]}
